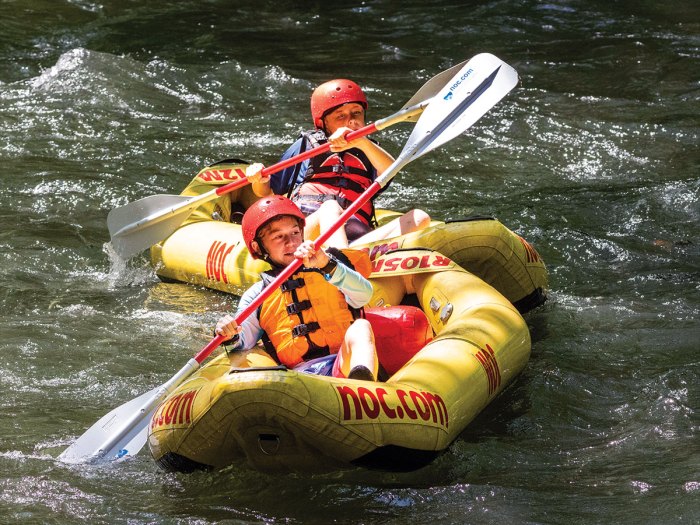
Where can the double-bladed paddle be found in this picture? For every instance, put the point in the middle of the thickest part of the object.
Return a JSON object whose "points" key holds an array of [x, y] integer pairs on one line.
{"points": [[142, 223], [466, 96]]}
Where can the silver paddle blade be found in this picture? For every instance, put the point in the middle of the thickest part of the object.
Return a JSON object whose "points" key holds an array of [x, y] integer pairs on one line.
{"points": [[106, 440], [124, 431], [147, 221]]}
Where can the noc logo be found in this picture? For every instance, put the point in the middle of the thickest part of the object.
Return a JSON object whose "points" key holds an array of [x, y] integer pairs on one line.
{"points": [[454, 86]]}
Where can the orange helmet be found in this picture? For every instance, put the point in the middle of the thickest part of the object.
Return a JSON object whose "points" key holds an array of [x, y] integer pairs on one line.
{"points": [[263, 211], [333, 94]]}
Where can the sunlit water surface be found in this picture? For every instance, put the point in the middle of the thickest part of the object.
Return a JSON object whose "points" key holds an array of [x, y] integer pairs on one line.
{"points": [[594, 159]]}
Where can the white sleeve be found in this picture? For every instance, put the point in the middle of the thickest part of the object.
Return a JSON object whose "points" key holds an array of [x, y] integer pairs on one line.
{"points": [[356, 289], [250, 332]]}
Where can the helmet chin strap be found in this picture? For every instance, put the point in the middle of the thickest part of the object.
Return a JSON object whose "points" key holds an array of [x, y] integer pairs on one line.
{"points": [[265, 256]]}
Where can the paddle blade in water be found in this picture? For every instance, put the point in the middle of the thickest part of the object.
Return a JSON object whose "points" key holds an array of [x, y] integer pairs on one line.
{"points": [[117, 435]]}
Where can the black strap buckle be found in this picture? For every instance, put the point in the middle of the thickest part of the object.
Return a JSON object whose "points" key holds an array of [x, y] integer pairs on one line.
{"points": [[292, 284], [304, 329], [296, 308]]}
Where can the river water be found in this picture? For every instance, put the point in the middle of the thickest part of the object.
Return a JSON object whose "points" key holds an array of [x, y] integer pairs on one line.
{"points": [[594, 159]]}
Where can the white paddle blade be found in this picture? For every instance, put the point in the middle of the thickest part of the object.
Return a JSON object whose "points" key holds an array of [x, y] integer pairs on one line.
{"points": [[478, 86], [145, 222], [431, 88], [99, 443]]}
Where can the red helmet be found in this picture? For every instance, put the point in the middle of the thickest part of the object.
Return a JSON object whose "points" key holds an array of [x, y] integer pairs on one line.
{"points": [[332, 94], [263, 211]]}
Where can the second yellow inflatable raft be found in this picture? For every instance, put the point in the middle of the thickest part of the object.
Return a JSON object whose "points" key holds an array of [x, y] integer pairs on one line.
{"points": [[209, 250]]}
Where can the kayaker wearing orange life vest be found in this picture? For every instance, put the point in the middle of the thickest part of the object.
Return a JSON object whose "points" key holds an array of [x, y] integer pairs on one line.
{"points": [[314, 313], [325, 185]]}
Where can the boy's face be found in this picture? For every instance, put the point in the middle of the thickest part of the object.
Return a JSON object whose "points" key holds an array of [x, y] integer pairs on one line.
{"points": [[280, 238], [350, 115]]}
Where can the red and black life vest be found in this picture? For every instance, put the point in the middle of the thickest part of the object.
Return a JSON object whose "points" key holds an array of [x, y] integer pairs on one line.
{"points": [[340, 176]]}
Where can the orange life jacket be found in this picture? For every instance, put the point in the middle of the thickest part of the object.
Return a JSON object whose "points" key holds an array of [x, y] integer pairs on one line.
{"points": [[307, 317]]}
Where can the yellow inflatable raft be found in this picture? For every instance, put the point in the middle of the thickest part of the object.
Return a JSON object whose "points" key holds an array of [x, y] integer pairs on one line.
{"points": [[244, 408], [209, 250]]}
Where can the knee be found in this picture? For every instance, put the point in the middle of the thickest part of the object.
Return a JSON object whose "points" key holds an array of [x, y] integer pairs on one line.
{"points": [[360, 330], [415, 220], [331, 207], [420, 218], [362, 325]]}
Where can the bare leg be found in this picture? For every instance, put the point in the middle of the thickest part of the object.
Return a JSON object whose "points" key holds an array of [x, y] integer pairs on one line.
{"points": [[410, 221], [322, 220], [358, 352]]}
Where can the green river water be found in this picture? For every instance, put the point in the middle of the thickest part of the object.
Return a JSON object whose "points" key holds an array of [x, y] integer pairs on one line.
{"points": [[594, 159]]}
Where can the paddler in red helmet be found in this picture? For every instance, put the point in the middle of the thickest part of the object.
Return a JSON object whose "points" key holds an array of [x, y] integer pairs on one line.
{"points": [[315, 313], [327, 184]]}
